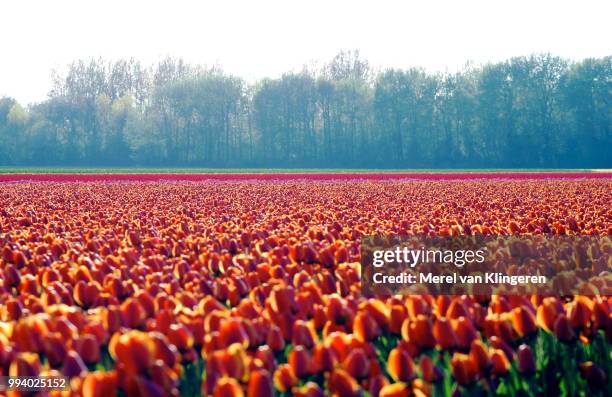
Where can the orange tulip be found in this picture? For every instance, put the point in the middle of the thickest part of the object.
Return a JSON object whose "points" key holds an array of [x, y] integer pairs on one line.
{"points": [[579, 312], [395, 390], [479, 356], [132, 313], [365, 327], [464, 371], [397, 316], [134, 349], [233, 331], [400, 365], [416, 306], [284, 378], [100, 384], [282, 299], [378, 310], [524, 321], [420, 331], [456, 309], [499, 362], [548, 312], [227, 387], [111, 319], [234, 361], [341, 383], [444, 333]]}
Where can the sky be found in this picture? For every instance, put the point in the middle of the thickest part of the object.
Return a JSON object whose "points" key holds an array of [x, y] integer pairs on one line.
{"points": [[264, 38]]}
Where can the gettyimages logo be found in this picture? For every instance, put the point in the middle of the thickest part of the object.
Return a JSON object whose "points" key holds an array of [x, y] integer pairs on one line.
{"points": [[510, 265]]}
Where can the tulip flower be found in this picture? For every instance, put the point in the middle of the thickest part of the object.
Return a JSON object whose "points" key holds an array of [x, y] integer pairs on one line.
{"points": [[479, 356], [526, 360], [420, 331], [233, 331], [444, 333], [299, 360], [134, 349], [260, 384], [310, 389], [303, 334], [324, 358], [357, 364], [499, 362], [395, 390], [227, 387], [593, 374], [343, 384], [464, 370], [400, 365], [365, 327], [548, 312], [100, 384], [563, 329], [284, 378], [524, 321], [465, 332], [579, 312]]}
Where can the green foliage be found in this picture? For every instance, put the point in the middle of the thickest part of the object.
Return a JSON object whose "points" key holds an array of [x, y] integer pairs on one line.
{"points": [[538, 111]]}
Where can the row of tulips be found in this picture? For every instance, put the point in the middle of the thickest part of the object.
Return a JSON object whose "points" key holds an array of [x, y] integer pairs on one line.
{"points": [[251, 289]]}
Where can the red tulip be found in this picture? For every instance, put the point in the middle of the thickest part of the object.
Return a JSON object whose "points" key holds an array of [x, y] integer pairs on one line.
{"points": [[357, 364], [299, 359], [233, 331], [526, 360], [303, 334], [444, 333], [260, 384]]}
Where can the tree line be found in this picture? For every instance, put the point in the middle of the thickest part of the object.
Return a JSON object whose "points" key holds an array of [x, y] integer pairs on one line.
{"points": [[532, 111]]}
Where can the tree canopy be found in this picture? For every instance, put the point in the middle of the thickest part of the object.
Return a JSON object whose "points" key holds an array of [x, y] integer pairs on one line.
{"points": [[533, 111]]}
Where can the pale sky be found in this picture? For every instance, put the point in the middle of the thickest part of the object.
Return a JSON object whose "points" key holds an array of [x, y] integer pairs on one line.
{"points": [[260, 38]]}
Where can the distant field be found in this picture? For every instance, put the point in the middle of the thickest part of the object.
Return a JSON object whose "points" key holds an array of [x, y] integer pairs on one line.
{"points": [[143, 170], [294, 175]]}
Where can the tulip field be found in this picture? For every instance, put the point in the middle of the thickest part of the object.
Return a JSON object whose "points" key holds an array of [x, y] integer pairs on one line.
{"points": [[249, 285]]}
